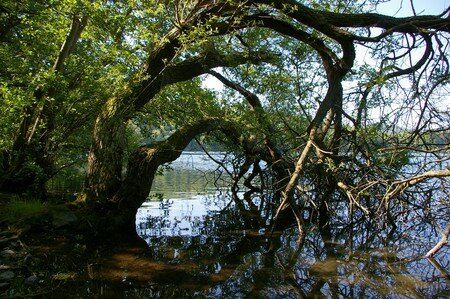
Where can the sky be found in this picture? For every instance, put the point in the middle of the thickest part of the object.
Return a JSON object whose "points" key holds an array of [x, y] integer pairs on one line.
{"points": [[402, 8]]}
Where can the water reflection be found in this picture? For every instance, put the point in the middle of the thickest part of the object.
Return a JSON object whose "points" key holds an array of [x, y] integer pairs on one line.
{"points": [[213, 244], [192, 173], [207, 236], [205, 242], [178, 217]]}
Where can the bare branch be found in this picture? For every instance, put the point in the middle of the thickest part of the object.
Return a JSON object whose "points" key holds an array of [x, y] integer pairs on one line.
{"points": [[399, 186], [443, 241]]}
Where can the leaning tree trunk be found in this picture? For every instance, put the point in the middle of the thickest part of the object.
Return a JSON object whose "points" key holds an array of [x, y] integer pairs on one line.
{"points": [[116, 216], [142, 167], [161, 69], [105, 159]]}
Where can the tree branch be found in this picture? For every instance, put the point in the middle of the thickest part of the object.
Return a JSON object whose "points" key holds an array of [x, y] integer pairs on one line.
{"points": [[443, 241], [399, 186], [203, 63]]}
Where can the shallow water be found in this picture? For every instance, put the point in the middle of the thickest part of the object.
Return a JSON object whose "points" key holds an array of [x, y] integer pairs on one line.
{"points": [[212, 244], [208, 231], [201, 245]]}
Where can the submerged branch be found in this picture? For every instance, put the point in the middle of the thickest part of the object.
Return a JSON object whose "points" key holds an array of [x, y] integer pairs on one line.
{"points": [[442, 242], [439, 267], [352, 199]]}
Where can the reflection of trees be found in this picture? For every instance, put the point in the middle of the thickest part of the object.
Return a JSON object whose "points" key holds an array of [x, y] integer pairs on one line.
{"points": [[330, 268], [361, 258], [355, 245]]}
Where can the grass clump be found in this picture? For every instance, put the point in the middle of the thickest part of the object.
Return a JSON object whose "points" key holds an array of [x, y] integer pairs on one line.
{"points": [[20, 209]]}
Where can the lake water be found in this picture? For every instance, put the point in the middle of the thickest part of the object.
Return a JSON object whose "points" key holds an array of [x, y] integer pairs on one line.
{"points": [[205, 247]]}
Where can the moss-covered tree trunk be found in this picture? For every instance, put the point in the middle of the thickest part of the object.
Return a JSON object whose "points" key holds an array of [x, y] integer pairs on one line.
{"points": [[106, 155], [120, 210]]}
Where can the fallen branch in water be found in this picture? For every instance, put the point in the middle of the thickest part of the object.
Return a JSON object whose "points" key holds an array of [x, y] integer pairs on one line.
{"points": [[399, 186], [439, 267], [442, 242]]}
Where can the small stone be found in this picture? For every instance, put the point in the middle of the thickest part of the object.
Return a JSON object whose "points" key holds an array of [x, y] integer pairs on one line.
{"points": [[6, 233], [31, 280], [7, 275], [7, 253], [63, 218], [4, 286], [28, 259]]}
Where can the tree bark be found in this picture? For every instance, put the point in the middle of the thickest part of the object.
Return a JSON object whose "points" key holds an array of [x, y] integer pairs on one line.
{"points": [[105, 158], [142, 167]]}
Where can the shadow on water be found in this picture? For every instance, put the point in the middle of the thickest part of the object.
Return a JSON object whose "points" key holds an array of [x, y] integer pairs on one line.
{"points": [[203, 245]]}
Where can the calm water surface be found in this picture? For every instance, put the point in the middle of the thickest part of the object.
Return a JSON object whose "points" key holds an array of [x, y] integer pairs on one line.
{"points": [[225, 254], [202, 245]]}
